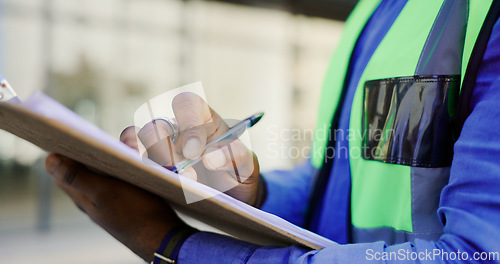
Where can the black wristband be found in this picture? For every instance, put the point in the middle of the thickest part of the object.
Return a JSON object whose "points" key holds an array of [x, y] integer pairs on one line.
{"points": [[171, 245]]}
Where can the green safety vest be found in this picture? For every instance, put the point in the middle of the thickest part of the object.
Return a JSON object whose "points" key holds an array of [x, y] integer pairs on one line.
{"points": [[401, 125]]}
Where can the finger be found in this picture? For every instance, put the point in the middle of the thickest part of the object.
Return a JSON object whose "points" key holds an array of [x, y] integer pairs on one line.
{"points": [[190, 173], [80, 200], [216, 126], [129, 137], [235, 158], [157, 139], [75, 175], [192, 112]]}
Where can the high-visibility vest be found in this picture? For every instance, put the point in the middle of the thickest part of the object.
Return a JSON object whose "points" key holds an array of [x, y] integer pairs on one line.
{"points": [[404, 115]]}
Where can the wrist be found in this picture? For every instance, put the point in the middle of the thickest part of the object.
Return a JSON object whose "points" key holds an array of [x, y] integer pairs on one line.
{"points": [[169, 249]]}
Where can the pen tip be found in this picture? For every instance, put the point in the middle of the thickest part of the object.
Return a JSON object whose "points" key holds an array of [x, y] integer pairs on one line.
{"points": [[256, 118]]}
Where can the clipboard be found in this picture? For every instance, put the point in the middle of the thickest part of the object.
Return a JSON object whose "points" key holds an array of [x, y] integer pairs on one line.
{"points": [[54, 128]]}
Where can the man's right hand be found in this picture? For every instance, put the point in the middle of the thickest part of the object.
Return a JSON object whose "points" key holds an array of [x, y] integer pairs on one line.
{"points": [[222, 166]]}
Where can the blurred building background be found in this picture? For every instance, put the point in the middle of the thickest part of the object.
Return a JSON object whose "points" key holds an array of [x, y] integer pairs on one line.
{"points": [[104, 58]]}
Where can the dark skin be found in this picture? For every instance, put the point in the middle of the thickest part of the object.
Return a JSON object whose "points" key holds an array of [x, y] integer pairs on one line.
{"points": [[140, 225], [137, 218]]}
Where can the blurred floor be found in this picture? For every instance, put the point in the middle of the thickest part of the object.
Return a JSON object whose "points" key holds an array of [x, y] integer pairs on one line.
{"points": [[71, 237], [83, 243]]}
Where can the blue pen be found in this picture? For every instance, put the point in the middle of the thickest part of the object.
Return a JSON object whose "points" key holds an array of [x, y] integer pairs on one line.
{"points": [[233, 133]]}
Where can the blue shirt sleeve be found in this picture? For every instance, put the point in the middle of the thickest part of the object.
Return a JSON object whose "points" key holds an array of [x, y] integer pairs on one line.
{"points": [[469, 206], [288, 192]]}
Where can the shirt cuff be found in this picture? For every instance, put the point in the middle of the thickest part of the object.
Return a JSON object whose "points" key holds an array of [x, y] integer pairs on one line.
{"points": [[205, 247]]}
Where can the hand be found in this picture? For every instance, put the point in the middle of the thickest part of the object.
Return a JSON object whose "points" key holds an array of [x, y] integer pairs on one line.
{"points": [[231, 168], [135, 217]]}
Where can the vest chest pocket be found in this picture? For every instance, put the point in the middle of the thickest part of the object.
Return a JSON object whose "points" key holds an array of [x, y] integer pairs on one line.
{"points": [[409, 120]]}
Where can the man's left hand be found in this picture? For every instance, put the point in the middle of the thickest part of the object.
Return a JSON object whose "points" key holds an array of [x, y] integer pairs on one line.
{"points": [[134, 216]]}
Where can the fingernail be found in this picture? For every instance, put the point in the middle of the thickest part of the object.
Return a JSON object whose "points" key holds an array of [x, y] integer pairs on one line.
{"points": [[52, 162], [192, 148], [215, 159]]}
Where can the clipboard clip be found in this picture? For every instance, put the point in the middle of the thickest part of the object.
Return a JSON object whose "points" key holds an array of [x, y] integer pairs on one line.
{"points": [[7, 93]]}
